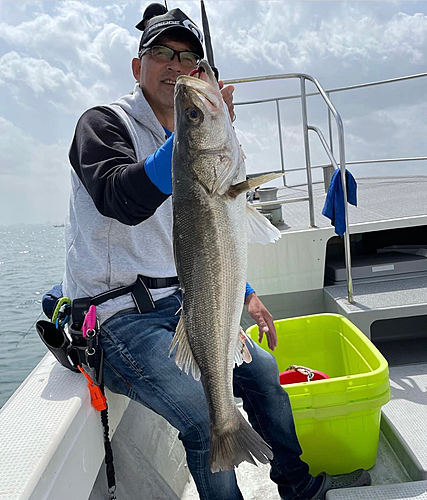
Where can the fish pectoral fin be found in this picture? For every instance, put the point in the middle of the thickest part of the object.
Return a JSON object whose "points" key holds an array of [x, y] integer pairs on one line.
{"points": [[242, 353], [184, 357], [260, 229], [252, 183]]}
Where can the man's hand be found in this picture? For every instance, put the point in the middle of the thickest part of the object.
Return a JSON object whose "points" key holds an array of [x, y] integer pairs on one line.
{"points": [[259, 313], [227, 95]]}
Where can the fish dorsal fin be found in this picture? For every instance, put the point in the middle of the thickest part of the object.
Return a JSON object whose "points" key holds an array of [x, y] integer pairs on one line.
{"points": [[184, 357], [252, 183], [260, 229], [242, 353]]}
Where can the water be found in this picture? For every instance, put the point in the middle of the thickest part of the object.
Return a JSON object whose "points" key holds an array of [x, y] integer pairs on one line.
{"points": [[32, 260]]}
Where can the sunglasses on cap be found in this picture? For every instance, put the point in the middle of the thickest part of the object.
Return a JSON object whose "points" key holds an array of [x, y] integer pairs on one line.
{"points": [[162, 53]]}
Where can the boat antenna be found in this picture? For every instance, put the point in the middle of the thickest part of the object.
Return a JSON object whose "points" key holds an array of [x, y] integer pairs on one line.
{"points": [[208, 42], [166, 5]]}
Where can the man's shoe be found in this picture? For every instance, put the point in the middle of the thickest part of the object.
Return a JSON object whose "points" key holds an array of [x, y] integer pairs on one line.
{"points": [[359, 477]]}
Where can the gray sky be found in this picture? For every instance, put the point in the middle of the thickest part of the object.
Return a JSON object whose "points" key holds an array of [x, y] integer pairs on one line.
{"points": [[59, 58]]}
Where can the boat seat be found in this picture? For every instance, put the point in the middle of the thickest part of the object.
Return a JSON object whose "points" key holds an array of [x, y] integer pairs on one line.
{"points": [[404, 491], [49, 428], [51, 443]]}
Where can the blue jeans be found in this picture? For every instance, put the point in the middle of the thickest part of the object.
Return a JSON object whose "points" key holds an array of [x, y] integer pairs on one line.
{"points": [[137, 365]]}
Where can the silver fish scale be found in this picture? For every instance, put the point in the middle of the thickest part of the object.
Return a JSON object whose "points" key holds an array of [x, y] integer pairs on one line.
{"points": [[210, 239], [210, 245]]}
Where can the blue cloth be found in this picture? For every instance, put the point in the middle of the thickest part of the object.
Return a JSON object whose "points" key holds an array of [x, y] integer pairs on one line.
{"points": [[158, 166], [137, 364], [334, 203], [249, 290], [50, 299]]}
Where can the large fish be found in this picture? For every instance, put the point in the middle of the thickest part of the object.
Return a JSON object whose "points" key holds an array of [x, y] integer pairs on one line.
{"points": [[210, 244]]}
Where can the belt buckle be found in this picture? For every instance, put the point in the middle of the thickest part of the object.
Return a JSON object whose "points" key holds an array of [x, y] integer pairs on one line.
{"points": [[141, 296]]}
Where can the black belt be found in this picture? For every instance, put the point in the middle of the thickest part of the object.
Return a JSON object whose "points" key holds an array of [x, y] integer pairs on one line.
{"points": [[140, 295], [123, 290]]}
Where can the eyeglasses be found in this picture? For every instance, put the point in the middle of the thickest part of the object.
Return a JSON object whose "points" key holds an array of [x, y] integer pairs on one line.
{"points": [[163, 53]]}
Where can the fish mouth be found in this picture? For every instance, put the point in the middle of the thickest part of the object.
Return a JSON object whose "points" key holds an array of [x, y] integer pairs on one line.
{"points": [[204, 90]]}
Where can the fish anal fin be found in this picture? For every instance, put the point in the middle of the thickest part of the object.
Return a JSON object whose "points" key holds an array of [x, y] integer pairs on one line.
{"points": [[184, 357], [260, 229], [242, 354], [252, 183]]}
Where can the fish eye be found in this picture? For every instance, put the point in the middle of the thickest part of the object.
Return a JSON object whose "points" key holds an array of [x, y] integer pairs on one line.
{"points": [[193, 115]]}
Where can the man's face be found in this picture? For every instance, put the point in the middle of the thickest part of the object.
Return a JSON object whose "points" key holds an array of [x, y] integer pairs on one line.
{"points": [[157, 78]]}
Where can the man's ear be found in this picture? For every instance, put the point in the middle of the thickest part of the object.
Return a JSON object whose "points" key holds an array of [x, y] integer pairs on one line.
{"points": [[136, 68]]}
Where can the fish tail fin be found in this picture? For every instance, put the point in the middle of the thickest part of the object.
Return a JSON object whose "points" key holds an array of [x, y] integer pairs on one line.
{"points": [[234, 446]]}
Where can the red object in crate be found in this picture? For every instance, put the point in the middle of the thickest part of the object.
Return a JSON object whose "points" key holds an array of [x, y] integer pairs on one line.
{"points": [[296, 373]]}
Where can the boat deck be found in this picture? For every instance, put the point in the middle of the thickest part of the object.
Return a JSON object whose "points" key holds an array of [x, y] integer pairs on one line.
{"points": [[390, 476], [390, 293], [404, 417], [395, 297], [406, 491], [379, 199], [254, 482]]}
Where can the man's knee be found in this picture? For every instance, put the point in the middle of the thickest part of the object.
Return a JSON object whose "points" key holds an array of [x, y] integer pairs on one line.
{"points": [[260, 375], [265, 365]]}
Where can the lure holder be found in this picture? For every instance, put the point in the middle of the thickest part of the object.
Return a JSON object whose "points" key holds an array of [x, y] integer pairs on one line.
{"points": [[76, 347], [78, 343]]}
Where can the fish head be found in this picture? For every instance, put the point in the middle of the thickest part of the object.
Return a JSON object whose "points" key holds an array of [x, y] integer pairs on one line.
{"points": [[205, 144]]}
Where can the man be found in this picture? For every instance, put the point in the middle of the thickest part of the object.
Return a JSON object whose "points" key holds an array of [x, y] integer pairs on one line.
{"points": [[120, 226]]}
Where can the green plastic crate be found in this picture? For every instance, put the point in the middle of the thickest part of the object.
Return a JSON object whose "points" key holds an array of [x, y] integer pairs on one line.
{"points": [[338, 419]]}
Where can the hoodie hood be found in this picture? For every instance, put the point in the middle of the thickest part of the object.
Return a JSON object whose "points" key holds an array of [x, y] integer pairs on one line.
{"points": [[136, 106]]}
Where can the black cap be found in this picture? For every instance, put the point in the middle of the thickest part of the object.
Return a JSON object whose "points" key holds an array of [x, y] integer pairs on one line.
{"points": [[173, 21], [154, 9]]}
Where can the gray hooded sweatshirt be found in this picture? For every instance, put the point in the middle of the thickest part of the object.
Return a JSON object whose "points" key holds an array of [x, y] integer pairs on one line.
{"points": [[103, 253]]}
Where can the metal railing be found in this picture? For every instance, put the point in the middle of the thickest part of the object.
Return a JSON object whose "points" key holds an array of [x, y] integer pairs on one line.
{"points": [[306, 127], [328, 92], [327, 147], [362, 162]]}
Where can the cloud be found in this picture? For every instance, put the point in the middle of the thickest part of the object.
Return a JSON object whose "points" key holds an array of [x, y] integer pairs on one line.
{"points": [[34, 177], [253, 35], [34, 158], [77, 36], [59, 58], [55, 35], [352, 37], [37, 74], [320, 37], [61, 89], [393, 133], [355, 35], [406, 35]]}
